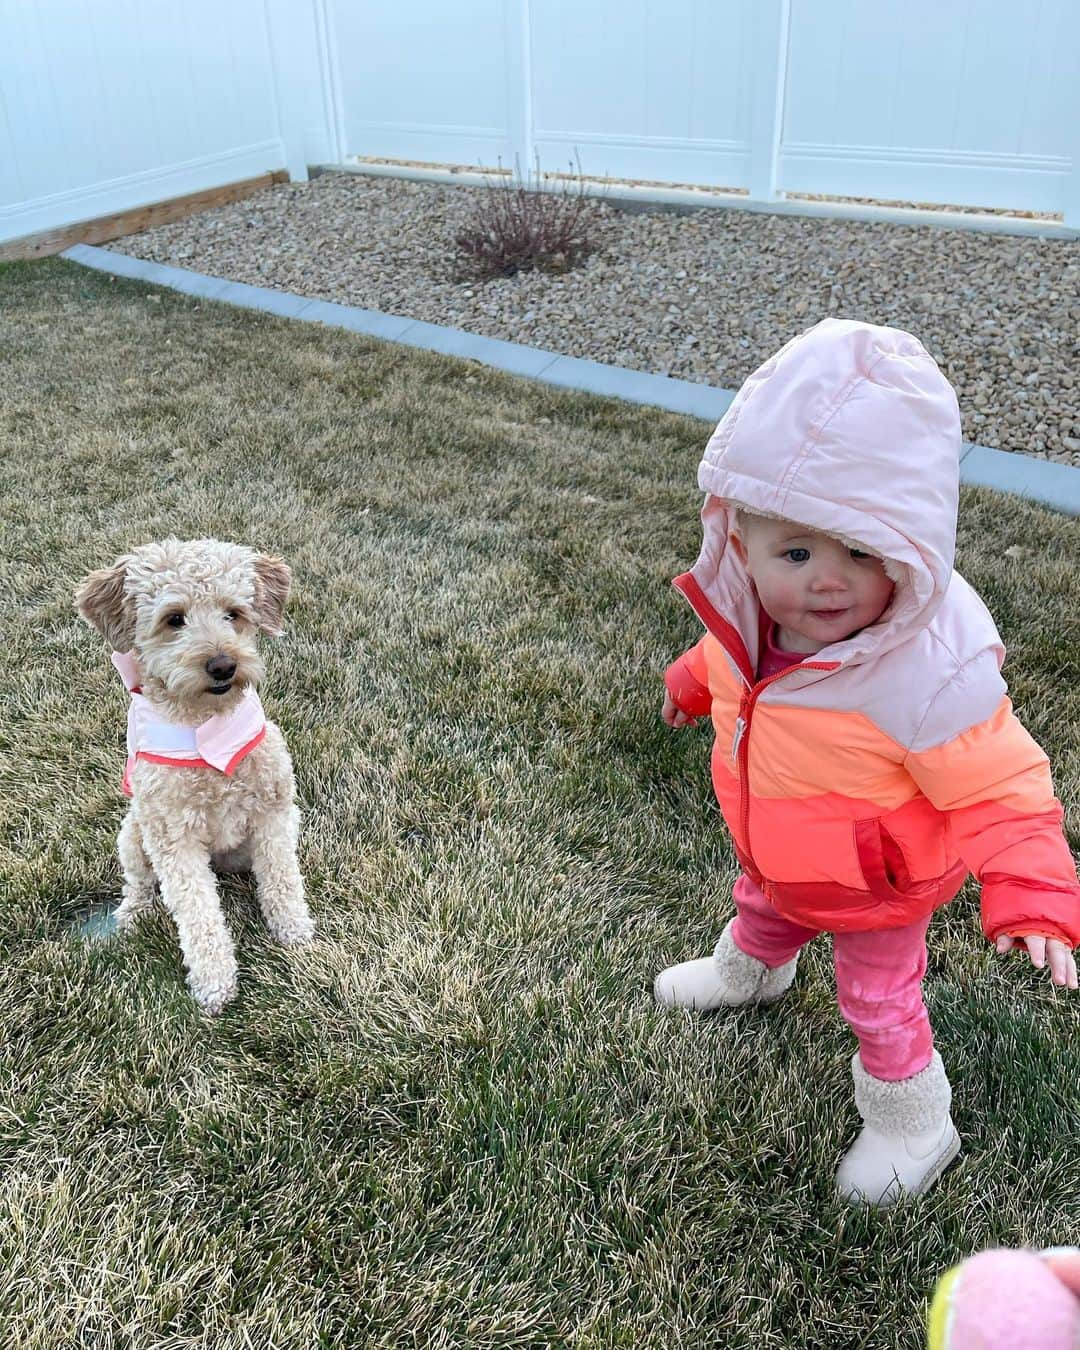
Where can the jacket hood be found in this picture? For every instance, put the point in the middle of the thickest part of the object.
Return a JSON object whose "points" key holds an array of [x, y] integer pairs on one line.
{"points": [[850, 429]]}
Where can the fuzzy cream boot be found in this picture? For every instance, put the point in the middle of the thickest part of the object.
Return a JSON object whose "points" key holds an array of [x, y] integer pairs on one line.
{"points": [[727, 979], [908, 1138]]}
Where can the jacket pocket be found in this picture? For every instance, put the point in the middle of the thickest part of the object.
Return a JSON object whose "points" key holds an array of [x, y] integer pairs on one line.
{"points": [[881, 859]]}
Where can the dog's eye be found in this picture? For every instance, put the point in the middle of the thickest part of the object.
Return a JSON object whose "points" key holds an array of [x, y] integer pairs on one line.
{"points": [[232, 615], [175, 621]]}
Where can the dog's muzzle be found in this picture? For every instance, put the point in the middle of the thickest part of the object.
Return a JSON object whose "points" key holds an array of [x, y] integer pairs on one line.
{"points": [[221, 670]]}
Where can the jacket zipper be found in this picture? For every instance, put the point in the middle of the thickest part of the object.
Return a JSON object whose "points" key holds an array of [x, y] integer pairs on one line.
{"points": [[728, 636], [740, 744]]}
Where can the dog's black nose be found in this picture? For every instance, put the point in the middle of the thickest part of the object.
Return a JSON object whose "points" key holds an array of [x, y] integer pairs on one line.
{"points": [[221, 667]]}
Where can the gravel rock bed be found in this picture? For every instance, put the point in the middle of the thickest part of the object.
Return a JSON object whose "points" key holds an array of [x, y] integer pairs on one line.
{"points": [[704, 296]]}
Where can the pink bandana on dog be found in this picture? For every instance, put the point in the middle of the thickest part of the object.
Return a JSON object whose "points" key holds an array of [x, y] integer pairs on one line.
{"points": [[218, 743]]}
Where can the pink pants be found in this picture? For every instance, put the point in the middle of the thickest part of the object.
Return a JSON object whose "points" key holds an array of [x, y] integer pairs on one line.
{"points": [[878, 980]]}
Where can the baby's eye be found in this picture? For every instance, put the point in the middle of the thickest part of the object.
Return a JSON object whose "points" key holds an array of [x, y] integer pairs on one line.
{"points": [[175, 621], [797, 555], [858, 553]]}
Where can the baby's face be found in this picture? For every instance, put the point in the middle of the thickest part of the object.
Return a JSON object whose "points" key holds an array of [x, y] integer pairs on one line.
{"points": [[817, 589]]}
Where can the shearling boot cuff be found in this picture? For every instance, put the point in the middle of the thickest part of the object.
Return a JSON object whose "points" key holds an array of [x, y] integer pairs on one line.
{"points": [[740, 974], [746, 979], [907, 1106]]}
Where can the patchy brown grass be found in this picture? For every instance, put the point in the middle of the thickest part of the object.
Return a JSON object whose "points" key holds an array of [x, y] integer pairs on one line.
{"points": [[458, 1119]]}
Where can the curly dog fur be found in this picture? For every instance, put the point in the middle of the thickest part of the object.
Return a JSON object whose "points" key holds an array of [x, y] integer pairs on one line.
{"points": [[186, 611]]}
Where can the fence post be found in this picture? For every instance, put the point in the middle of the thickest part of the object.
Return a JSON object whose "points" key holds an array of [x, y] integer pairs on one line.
{"points": [[287, 49], [329, 82], [304, 61], [771, 20], [1070, 205], [519, 62]]}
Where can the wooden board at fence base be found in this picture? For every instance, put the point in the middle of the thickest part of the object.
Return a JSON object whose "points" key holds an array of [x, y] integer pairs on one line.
{"points": [[102, 229]]}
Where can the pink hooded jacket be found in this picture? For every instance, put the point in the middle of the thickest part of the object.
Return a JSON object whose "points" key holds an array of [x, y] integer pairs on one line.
{"points": [[861, 785]]}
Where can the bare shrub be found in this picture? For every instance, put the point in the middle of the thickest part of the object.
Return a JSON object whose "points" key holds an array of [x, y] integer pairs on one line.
{"points": [[516, 226]]}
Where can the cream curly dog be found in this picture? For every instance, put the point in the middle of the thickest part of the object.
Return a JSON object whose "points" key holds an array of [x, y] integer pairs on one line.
{"points": [[209, 777]]}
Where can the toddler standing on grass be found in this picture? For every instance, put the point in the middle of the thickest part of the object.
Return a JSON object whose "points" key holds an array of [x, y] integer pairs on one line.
{"points": [[866, 753]]}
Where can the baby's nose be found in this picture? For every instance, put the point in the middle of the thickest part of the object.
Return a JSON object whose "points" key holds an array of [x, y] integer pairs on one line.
{"points": [[221, 667]]}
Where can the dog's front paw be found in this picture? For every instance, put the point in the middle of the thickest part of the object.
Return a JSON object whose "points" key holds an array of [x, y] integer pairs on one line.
{"points": [[130, 910], [293, 930], [212, 996], [125, 920]]}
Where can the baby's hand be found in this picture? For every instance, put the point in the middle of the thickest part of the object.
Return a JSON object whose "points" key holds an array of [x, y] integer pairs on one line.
{"points": [[1043, 950], [673, 716]]}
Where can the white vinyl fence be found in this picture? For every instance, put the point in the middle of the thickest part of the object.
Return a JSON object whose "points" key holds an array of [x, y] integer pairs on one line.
{"points": [[107, 105], [963, 102], [117, 103]]}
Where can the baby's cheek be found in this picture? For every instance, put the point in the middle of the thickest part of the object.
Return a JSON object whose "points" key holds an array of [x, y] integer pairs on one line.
{"points": [[881, 592], [786, 593]]}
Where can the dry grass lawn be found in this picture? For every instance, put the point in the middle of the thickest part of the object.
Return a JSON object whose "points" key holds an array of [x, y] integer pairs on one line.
{"points": [[458, 1119]]}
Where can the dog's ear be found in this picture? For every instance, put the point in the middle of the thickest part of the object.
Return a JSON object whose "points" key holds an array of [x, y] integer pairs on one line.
{"points": [[272, 579], [101, 600]]}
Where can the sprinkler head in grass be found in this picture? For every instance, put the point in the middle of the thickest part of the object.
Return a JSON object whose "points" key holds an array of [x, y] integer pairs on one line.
{"points": [[97, 924]]}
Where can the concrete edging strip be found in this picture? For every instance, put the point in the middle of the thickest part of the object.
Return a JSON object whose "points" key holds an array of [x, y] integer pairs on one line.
{"points": [[1044, 481]]}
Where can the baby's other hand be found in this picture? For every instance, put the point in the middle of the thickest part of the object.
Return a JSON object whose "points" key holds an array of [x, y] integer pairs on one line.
{"points": [[1045, 951], [673, 716]]}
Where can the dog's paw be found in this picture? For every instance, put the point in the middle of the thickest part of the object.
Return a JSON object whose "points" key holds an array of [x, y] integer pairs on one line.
{"points": [[293, 930], [129, 911], [212, 998], [125, 920]]}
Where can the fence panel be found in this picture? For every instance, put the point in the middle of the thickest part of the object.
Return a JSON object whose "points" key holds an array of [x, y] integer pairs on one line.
{"points": [[111, 104], [959, 102], [426, 80], [108, 106], [645, 91], [963, 102]]}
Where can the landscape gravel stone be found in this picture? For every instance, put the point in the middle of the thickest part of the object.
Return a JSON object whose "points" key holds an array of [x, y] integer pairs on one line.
{"points": [[705, 295]]}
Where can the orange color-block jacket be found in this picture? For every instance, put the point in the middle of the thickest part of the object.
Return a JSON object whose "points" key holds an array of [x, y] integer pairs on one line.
{"points": [[861, 785]]}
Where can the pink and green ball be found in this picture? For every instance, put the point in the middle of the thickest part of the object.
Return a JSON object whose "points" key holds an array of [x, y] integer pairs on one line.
{"points": [[1003, 1300]]}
